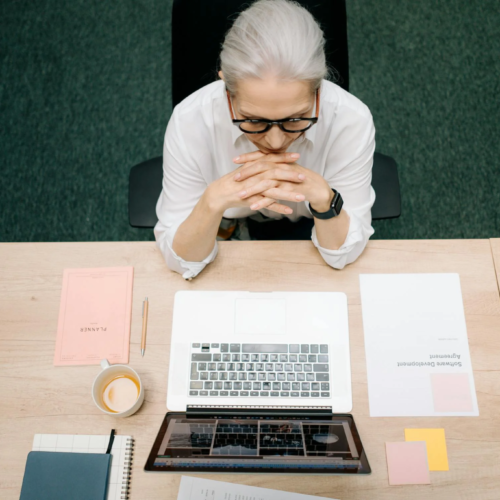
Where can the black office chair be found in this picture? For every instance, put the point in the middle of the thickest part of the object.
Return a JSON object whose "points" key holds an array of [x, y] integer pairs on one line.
{"points": [[198, 30]]}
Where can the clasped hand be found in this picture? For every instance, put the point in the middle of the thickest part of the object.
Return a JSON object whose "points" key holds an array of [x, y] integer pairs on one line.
{"points": [[264, 180]]}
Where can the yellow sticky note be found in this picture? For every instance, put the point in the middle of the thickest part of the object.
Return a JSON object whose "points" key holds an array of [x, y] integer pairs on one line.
{"points": [[437, 455]]}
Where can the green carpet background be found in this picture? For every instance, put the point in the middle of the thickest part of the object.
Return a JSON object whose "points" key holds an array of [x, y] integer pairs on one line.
{"points": [[85, 94]]}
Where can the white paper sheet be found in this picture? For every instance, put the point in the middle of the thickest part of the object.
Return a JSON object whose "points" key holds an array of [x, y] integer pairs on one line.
{"points": [[417, 350], [193, 488]]}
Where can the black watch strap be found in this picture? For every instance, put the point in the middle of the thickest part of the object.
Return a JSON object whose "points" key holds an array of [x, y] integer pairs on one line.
{"points": [[335, 208]]}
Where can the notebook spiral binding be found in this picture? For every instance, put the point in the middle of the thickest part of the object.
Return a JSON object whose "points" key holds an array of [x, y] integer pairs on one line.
{"points": [[129, 457]]}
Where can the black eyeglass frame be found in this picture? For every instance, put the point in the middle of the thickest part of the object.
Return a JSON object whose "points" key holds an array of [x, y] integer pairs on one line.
{"points": [[270, 123]]}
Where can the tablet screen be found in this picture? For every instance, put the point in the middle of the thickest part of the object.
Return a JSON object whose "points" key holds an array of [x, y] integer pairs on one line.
{"points": [[234, 443]]}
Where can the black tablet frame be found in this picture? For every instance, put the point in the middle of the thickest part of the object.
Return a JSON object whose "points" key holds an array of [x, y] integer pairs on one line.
{"points": [[298, 414]]}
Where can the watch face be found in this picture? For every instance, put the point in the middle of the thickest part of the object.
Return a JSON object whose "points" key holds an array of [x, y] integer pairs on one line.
{"points": [[337, 203]]}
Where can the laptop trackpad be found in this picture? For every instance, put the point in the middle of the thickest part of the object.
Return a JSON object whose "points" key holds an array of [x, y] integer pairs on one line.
{"points": [[260, 316]]}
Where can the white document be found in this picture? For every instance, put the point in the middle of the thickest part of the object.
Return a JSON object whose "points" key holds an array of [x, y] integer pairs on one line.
{"points": [[417, 350], [193, 488]]}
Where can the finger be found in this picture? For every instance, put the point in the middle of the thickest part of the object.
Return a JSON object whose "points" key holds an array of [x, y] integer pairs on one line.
{"points": [[282, 194], [260, 201], [282, 157], [284, 175], [254, 199], [257, 188], [255, 155], [237, 173], [271, 204], [254, 167], [281, 209], [263, 166], [275, 158]]}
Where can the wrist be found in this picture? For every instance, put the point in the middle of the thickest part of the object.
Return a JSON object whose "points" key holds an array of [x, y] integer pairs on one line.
{"points": [[324, 203], [211, 202]]}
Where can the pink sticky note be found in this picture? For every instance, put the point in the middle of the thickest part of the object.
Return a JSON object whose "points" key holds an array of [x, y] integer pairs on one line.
{"points": [[451, 392], [407, 463]]}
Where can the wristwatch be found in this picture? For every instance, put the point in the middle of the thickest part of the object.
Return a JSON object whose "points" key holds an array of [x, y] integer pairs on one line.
{"points": [[335, 208]]}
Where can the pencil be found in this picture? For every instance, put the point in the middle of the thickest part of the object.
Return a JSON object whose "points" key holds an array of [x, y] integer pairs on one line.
{"points": [[145, 307]]}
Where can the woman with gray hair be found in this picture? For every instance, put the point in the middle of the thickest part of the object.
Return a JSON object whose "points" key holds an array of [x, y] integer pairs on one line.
{"points": [[272, 139]]}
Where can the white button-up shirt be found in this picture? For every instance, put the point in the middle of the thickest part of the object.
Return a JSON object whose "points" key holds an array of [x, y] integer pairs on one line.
{"points": [[201, 141]]}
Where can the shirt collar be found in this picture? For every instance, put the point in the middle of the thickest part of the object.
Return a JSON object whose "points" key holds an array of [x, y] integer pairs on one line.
{"points": [[310, 133], [235, 131]]}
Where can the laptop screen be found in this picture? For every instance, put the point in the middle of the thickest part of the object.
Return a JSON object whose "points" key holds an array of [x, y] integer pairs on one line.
{"points": [[228, 443]]}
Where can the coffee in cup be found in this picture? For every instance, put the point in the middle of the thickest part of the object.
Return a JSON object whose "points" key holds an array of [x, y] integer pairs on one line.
{"points": [[120, 393], [117, 390]]}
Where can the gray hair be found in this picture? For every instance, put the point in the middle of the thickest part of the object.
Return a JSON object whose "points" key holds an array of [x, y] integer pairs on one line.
{"points": [[279, 38]]}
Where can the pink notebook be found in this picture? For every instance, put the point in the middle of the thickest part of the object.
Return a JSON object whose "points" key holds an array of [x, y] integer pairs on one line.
{"points": [[94, 316]]}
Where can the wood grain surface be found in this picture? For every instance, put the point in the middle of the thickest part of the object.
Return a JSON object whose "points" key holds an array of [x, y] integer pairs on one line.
{"points": [[495, 250], [36, 397]]}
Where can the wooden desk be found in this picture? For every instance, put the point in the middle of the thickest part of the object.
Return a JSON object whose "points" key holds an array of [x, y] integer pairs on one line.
{"points": [[495, 250], [36, 397]]}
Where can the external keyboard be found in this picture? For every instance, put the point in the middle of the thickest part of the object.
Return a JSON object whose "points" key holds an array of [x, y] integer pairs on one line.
{"points": [[260, 370]]}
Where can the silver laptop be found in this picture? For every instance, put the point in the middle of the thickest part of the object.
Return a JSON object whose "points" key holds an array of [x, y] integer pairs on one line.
{"points": [[260, 349]]}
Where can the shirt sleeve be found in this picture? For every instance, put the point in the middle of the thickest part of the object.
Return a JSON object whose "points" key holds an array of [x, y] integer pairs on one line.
{"points": [[183, 185], [349, 171]]}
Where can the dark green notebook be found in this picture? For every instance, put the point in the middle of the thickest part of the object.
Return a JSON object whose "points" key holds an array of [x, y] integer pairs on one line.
{"points": [[62, 476]]}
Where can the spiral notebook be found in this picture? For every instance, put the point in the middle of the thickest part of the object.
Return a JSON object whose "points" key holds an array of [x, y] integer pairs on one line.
{"points": [[121, 456]]}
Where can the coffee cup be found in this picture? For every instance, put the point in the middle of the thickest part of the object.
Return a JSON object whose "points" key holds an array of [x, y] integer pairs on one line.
{"points": [[117, 390]]}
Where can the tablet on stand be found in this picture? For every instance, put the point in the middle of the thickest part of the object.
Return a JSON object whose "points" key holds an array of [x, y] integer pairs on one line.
{"points": [[273, 440]]}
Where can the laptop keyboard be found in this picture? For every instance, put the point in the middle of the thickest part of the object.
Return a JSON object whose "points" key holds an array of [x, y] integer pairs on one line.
{"points": [[260, 370]]}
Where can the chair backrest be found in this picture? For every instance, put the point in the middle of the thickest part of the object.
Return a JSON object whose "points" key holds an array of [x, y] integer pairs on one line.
{"points": [[199, 28]]}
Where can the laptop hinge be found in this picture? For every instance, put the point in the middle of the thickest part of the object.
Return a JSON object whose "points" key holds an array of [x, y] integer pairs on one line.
{"points": [[296, 411]]}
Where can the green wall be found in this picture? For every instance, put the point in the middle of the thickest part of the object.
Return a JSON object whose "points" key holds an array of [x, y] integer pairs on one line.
{"points": [[85, 94]]}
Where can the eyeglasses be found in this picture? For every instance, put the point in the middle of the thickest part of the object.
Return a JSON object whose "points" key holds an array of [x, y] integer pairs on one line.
{"points": [[290, 125]]}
